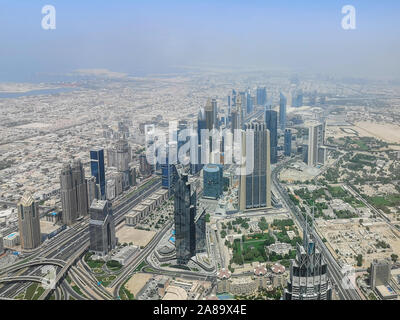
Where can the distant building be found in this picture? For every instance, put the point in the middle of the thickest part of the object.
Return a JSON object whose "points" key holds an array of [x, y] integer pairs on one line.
{"points": [[98, 171], [91, 190], [144, 166], [119, 157], [101, 228], [271, 120], [29, 222], [316, 132], [380, 273], [261, 96], [288, 143], [282, 111], [184, 215], [213, 181]]}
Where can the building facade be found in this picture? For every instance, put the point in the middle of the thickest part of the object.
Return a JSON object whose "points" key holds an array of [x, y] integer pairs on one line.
{"points": [[74, 192], [101, 228], [213, 181], [184, 216], [255, 179], [98, 171], [29, 222], [271, 120]]}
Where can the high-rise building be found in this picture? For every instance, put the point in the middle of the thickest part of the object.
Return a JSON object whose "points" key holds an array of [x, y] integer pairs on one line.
{"points": [[119, 157], [261, 96], [308, 273], [200, 224], [184, 215], [210, 114], [282, 111], [271, 120], [1, 244], [288, 143], [91, 189], [316, 133], [101, 228], [29, 222], [255, 179], [212, 181], [74, 192], [380, 273], [98, 171], [144, 166]]}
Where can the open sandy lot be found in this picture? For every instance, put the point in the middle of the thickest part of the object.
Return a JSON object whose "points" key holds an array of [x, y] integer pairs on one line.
{"points": [[386, 132], [137, 282], [138, 237]]}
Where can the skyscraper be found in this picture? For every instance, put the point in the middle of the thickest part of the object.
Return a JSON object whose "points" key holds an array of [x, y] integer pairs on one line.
{"points": [[184, 215], [308, 273], [255, 179], [288, 143], [212, 181], [380, 273], [316, 133], [119, 157], [210, 114], [74, 192], [271, 120], [98, 171], [261, 96], [29, 222], [101, 227], [282, 111]]}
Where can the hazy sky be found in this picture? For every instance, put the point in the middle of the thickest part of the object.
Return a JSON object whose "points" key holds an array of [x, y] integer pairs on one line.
{"points": [[151, 36]]}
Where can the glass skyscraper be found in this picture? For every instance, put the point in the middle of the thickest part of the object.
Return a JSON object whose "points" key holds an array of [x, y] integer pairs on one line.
{"points": [[255, 179], [271, 120], [282, 111], [184, 215], [288, 143], [98, 171], [212, 181]]}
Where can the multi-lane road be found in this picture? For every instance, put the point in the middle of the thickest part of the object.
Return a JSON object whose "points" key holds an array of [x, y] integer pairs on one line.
{"points": [[345, 289], [66, 244]]}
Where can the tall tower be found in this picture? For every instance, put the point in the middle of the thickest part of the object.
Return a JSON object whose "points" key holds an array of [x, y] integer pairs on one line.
{"points": [[308, 273], [74, 192], [288, 143], [80, 186], [184, 215], [68, 196], [98, 171], [255, 179], [316, 133], [282, 111], [29, 222], [271, 120], [261, 96], [101, 227]]}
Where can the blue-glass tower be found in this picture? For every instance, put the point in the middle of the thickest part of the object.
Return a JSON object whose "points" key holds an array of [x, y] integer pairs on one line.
{"points": [[271, 120], [97, 169], [288, 143], [282, 111], [213, 183]]}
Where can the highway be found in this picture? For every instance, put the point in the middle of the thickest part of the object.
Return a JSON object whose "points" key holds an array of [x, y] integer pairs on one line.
{"points": [[66, 244], [334, 269]]}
